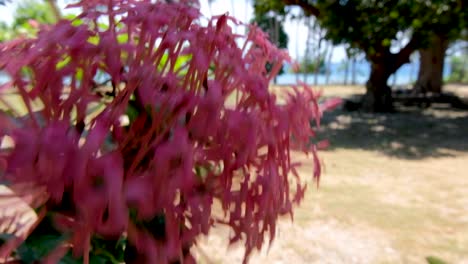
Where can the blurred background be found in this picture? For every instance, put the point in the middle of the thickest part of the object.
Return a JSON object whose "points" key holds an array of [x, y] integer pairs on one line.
{"points": [[395, 184]]}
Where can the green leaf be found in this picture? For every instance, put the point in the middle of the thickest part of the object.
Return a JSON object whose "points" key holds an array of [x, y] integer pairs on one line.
{"points": [[394, 14], [201, 172], [63, 63], [107, 251], [79, 74], [122, 38], [69, 259], [94, 40], [132, 113], [416, 23], [74, 20], [386, 42], [103, 26], [435, 260], [103, 257], [179, 62], [36, 247]]}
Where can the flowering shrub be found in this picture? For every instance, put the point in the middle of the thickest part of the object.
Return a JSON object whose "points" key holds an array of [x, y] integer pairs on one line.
{"points": [[183, 135]]}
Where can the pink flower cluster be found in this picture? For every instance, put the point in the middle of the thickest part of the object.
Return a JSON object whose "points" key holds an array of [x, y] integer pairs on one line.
{"points": [[204, 142]]}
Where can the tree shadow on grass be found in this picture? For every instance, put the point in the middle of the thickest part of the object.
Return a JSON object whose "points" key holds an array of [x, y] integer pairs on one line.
{"points": [[410, 133]]}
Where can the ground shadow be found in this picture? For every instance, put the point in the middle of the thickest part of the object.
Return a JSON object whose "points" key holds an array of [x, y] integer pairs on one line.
{"points": [[409, 133]]}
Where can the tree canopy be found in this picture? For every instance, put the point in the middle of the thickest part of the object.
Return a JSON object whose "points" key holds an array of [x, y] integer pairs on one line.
{"points": [[373, 25], [26, 10], [27, 15]]}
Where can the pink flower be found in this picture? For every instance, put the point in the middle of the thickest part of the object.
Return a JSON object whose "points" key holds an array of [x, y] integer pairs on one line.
{"points": [[331, 104], [203, 128]]}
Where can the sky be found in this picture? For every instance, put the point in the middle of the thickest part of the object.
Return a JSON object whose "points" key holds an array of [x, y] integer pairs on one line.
{"points": [[242, 10]]}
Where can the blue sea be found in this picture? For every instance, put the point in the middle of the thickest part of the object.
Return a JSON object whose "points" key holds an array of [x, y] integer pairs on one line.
{"points": [[407, 74]]}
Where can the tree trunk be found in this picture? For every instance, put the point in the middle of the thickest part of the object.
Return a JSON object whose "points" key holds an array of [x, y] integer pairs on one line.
{"points": [[318, 59], [353, 70], [378, 97], [431, 68], [297, 46], [346, 73], [329, 63], [276, 40], [310, 31]]}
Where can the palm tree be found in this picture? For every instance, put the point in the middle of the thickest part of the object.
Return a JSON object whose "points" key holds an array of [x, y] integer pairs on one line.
{"points": [[328, 63], [310, 25], [297, 45]]}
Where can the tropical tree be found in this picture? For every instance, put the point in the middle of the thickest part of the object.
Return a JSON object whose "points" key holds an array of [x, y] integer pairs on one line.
{"points": [[459, 67], [5, 31], [28, 10], [370, 26], [328, 62], [446, 24]]}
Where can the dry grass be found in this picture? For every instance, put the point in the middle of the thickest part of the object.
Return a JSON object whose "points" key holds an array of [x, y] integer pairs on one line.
{"points": [[394, 191]]}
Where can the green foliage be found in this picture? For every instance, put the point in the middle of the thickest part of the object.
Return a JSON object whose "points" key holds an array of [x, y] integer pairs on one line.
{"points": [[434, 260], [5, 32], [442, 17], [108, 251], [366, 25], [309, 65], [371, 25], [459, 69], [40, 243], [262, 7], [27, 11], [46, 238], [32, 9]]}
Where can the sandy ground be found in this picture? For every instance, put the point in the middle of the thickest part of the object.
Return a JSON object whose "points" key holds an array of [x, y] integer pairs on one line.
{"points": [[395, 190]]}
